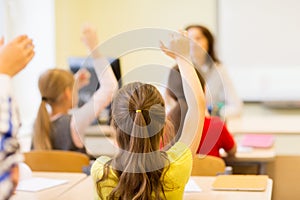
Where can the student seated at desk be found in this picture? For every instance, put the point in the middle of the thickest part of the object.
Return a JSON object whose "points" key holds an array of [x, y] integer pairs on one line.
{"points": [[141, 170], [63, 131], [14, 56], [214, 135]]}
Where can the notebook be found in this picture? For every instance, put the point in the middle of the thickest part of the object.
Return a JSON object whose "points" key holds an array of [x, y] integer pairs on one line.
{"points": [[257, 140], [36, 184], [240, 182], [192, 186]]}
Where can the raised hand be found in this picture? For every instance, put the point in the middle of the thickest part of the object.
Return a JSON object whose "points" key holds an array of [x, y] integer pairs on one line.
{"points": [[15, 55], [82, 77], [178, 47], [89, 37]]}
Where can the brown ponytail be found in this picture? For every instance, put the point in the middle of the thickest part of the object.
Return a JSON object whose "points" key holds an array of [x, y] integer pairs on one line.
{"points": [[138, 114], [43, 127]]}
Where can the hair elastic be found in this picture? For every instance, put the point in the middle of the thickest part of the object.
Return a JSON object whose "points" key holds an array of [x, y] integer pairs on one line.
{"points": [[138, 111], [44, 99]]}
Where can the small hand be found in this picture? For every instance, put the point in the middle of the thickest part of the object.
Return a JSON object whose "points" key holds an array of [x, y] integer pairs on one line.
{"points": [[82, 77], [15, 55], [178, 47], [89, 37], [167, 51]]}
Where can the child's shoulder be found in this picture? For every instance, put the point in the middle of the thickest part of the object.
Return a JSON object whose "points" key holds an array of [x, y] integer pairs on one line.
{"points": [[101, 160], [97, 167]]}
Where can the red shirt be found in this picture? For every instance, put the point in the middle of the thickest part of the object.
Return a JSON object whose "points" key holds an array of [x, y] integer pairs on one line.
{"points": [[214, 137]]}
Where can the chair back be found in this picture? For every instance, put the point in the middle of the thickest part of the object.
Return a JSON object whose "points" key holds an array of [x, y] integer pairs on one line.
{"points": [[56, 160], [205, 165]]}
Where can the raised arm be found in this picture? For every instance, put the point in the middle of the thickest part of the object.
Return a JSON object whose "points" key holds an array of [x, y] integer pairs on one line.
{"points": [[83, 116], [194, 119]]}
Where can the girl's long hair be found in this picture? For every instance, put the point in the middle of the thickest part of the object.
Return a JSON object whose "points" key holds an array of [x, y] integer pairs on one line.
{"points": [[52, 84], [138, 114]]}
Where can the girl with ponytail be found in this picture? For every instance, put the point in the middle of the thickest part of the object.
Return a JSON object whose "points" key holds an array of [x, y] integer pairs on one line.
{"points": [[59, 90], [140, 170]]}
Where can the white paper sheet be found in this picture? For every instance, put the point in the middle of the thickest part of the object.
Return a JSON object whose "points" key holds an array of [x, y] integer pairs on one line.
{"points": [[243, 149], [36, 184], [192, 186]]}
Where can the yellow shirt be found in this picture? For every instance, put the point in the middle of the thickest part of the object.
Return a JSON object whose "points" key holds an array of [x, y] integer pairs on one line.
{"points": [[175, 178]]}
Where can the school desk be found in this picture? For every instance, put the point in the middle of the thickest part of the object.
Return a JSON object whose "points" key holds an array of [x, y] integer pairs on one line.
{"points": [[53, 192], [85, 190], [205, 183], [255, 156], [257, 118]]}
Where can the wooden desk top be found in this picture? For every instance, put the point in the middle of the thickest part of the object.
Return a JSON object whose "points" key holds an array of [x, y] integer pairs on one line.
{"points": [[204, 183], [254, 155], [257, 118], [207, 193], [261, 124], [54, 192], [74, 193]]}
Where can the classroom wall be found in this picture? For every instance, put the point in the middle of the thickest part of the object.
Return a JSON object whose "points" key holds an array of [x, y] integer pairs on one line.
{"points": [[259, 44], [55, 28], [115, 16], [2, 16], [36, 19]]}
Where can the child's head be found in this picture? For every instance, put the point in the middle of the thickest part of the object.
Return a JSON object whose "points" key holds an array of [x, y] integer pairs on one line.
{"points": [[55, 85], [138, 113]]}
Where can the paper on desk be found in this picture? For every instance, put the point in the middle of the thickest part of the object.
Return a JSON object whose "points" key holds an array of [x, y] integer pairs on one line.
{"points": [[36, 184], [192, 186], [243, 149]]}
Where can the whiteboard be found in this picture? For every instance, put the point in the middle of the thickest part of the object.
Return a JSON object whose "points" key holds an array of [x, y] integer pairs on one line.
{"points": [[259, 43]]}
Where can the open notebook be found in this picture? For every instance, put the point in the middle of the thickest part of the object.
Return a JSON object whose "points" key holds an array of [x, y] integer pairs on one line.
{"points": [[258, 140], [240, 182], [35, 184]]}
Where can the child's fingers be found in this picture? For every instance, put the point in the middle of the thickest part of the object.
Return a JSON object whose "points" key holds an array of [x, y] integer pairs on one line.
{"points": [[20, 38], [26, 43], [1, 41], [29, 49], [85, 27], [183, 33], [30, 56]]}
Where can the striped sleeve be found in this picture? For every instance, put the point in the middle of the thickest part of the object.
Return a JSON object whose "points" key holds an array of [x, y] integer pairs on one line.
{"points": [[9, 146]]}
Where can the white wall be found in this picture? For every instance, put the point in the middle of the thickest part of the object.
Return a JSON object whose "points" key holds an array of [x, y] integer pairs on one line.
{"points": [[36, 19], [259, 44], [2, 17]]}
